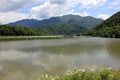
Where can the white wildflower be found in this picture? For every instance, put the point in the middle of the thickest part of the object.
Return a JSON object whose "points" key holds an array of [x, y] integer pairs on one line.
{"points": [[110, 75]]}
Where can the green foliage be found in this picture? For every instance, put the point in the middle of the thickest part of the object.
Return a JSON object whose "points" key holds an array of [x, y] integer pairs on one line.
{"points": [[17, 31], [105, 74], [110, 22], [111, 32], [62, 29], [109, 28]]}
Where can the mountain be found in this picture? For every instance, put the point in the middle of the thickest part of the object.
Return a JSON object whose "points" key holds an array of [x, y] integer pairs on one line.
{"points": [[63, 25], [30, 23], [87, 22], [108, 28], [114, 20]]}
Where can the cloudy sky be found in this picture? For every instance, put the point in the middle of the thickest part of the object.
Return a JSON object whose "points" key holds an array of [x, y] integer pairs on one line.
{"points": [[14, 10]]}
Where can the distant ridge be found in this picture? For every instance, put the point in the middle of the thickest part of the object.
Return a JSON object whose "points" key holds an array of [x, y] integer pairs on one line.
{"points": [[87, 22], [62, 25]]}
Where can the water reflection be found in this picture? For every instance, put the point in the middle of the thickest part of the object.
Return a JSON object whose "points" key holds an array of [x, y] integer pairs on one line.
{"points": [[26, 60]]}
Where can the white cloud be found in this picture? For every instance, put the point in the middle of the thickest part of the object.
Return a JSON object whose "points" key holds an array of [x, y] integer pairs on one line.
{"points": [[48, 8], [92, 3], [116, 2], [11, 17], [13, 5], [55, 8], [103, 16], [76, 13]]}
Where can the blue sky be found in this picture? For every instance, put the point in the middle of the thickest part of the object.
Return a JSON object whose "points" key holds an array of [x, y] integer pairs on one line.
{"points": [[14, 10]]}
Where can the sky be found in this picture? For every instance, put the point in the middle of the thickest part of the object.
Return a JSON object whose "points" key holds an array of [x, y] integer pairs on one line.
{"points": [[14, 10]]}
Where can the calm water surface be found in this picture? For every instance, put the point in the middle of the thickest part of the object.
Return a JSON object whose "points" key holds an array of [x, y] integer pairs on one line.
{"points": [[26, 60]]}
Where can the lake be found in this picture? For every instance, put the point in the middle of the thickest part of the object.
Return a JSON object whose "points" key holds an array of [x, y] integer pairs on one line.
{"points": [[29, 59]]}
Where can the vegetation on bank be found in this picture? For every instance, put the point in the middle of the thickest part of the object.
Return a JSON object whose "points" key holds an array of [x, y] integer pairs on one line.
{"points": [[6, 30], [111, 32], [105, 74], [8, 38], [109, 28]]}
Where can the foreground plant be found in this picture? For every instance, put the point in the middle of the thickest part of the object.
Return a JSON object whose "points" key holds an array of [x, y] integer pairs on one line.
{"points": [[105, 74]]}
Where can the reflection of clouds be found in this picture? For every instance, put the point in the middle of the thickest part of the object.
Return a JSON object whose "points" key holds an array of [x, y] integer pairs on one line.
{"points": [[12, 55], [18, 75]]}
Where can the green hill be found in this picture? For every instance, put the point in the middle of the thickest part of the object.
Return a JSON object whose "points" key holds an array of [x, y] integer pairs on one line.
{"points": [[18, 31], [109, 28]]}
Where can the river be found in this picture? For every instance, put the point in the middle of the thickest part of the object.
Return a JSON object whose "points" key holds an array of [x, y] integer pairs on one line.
{"points": [[29, 59]]}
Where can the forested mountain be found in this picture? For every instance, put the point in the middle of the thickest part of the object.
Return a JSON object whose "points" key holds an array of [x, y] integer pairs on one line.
{"points": [[18, 31], [86, 22], [108, 28], [62, 29], [30, 23], [64, 25]]}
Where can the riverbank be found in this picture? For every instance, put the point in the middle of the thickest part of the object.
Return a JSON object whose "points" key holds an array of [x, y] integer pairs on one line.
{"points": [[6, 38], [91, 74]]}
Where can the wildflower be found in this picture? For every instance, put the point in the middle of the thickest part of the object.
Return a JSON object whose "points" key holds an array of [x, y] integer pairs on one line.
{"points": [[53, 78], [110, 68], [69, 72], [91, 70], [110, 75], [46, 75], [83, 70], [75, 70]]}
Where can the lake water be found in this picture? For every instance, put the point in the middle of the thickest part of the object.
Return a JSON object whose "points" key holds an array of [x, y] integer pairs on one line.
{"points": [[27, 60]]}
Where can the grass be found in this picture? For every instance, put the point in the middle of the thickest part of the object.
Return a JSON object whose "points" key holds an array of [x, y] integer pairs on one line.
{"points": [[105, 74], [9, 38]]}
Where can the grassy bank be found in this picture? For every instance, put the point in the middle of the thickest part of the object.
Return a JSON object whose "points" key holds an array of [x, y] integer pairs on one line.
{"points": [[7, 38], [105, 74]]}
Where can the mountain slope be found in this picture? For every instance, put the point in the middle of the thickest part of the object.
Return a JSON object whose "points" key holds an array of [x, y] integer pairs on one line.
{"points": [[62, 29], [26, 23], [64, 25], [87, 22], [109, 28], [114, 20]]}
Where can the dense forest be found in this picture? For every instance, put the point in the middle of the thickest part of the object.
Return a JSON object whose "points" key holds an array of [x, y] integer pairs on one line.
{"points": [[109, 28], [62, 29], [6, 30]]}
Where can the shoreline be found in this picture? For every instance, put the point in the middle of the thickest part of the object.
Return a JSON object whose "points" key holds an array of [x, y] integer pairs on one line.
{"points": [[9, 38]]}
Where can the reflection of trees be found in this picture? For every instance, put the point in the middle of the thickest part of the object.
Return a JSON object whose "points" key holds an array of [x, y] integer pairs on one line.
{"points": [[71, 49], [114, 49]]}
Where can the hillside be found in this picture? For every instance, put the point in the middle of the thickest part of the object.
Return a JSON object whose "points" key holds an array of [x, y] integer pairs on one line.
{"points": [[64, 25], [108, 28], [30, 23], [18, 31], [62, 29], [87, 22]]}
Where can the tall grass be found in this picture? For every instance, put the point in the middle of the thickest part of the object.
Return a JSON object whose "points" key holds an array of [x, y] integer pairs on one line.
{"points": [[105, 74]]}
